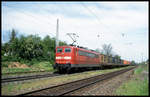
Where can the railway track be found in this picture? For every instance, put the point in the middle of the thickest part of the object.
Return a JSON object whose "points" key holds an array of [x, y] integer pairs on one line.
{"points": [[26, 77], [22, 78], [67, 88]]}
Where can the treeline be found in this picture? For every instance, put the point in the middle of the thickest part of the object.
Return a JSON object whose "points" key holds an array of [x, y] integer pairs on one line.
{"points": [[28, 49]]}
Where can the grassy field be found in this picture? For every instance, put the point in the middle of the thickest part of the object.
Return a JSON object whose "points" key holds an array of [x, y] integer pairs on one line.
{"points": [[138, 85], [40, 66]]}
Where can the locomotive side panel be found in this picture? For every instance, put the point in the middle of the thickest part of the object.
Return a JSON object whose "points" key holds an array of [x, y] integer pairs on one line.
{"points": [[86, 58]]}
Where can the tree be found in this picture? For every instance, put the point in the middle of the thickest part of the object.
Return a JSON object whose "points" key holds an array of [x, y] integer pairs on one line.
{"points": [[13, 35], [117, 56], [97, 50], [28, 48], [62, 43], [107, 49], [5, 49], [47, 45], [33, 47], [13, 43], [133, 62]]}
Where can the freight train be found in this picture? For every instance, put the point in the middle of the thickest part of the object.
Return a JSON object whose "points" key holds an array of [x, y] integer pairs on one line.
{"points": [[68, 58]]}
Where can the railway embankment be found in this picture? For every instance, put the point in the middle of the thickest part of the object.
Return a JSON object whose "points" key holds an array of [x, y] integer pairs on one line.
{"points": [[138, 85], [132, 83], [106, 87], [15, 89]]}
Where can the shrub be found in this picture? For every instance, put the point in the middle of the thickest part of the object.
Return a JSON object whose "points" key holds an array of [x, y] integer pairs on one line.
{"points": [[5, 64]]}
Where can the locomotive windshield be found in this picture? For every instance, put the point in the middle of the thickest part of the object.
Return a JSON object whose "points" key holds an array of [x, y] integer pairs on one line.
{"points": [[67, 50], [59, 50]]}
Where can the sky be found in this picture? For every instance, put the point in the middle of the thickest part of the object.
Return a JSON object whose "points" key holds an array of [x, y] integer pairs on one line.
{"points": [[124, 25]]}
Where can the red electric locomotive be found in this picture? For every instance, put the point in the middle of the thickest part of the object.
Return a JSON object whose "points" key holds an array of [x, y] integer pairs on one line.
{"points": [[72, 57]]}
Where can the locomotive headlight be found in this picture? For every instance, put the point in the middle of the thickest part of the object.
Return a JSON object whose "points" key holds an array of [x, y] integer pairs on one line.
{"points": [[58, 57], [67, 57]]}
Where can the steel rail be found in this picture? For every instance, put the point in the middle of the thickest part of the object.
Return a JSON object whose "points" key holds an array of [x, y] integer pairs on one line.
{"points": [[66, 88], [22, 78]]}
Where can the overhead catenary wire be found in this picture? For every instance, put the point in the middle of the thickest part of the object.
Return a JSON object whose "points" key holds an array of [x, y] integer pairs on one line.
{"points": [[98, 19], [100, 22]]}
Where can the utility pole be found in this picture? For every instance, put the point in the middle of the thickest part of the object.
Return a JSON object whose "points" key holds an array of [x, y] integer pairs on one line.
{"points": [[57, 33]]}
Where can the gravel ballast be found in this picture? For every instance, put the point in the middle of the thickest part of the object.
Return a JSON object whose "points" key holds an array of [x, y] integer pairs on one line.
{"points": [[106, 87]]}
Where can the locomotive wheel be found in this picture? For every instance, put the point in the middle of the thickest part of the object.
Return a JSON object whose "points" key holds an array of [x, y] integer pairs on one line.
{"points": [[68, 71], [60, 70]]}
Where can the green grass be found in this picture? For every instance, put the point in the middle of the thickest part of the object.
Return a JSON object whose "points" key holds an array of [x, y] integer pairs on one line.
{"points": [[46, 66], [12, 70], [138, 70], [38, 66], [10, 87], [137, 86], [134, 87], [141, 68]]}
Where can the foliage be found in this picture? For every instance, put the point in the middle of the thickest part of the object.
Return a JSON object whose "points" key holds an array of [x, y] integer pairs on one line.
{"points": [[117, 57], [13, 36], [29, 49], [134, 87], [133, 62], [138, 85], [5, 64], [138, 70]]}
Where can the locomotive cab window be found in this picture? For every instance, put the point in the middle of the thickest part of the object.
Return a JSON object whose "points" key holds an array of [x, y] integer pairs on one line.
{"points": [[67, 50], [59, 50]]}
